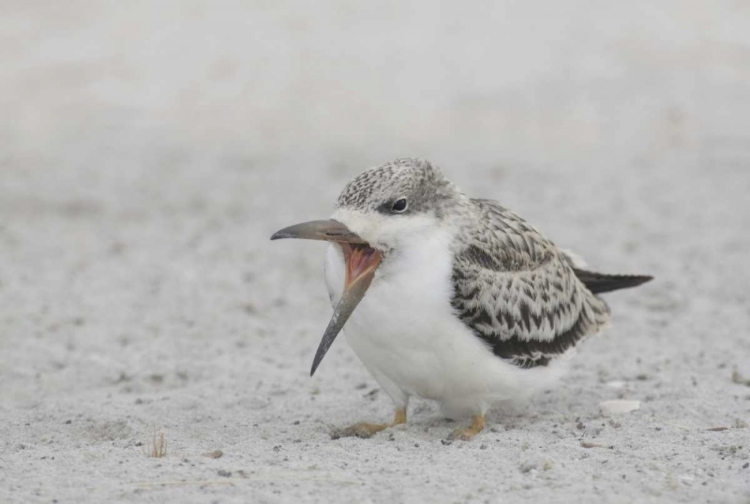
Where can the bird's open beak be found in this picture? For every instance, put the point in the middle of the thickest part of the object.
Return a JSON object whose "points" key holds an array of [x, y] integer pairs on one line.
{"points": [[361, 263]]}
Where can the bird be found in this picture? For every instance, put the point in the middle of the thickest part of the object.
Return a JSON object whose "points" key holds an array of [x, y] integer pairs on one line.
{"points": [[450, 298]]}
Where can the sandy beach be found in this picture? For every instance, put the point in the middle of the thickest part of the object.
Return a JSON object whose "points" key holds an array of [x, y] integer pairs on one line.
{"points": [[148, 151]]}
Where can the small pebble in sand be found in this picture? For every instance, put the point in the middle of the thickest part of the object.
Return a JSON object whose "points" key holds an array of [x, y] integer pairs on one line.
{"points": [[214, 454], [739, 379], [617, 406], [587, 444]]}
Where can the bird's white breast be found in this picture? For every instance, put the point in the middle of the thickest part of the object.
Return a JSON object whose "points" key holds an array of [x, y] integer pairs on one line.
{"points": [[406, 334]]}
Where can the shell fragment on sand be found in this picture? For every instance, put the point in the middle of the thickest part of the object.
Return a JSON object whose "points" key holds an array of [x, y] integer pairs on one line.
{"points": [[618, 406]]}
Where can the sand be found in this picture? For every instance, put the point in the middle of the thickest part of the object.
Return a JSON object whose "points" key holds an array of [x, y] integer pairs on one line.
{"points": [[148, 151]]}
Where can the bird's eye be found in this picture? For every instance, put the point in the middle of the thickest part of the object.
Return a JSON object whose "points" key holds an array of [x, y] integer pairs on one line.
{"points": [[399, 206]]}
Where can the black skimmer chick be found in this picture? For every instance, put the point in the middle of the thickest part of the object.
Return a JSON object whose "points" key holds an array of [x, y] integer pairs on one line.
{"points": [[450, 298]]}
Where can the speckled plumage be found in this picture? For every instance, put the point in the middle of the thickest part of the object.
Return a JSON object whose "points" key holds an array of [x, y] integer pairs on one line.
{"points": [[518, 291], [377, 188], [512, 287]]}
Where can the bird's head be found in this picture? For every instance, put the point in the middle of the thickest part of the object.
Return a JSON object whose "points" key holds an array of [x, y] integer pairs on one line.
{"points": [[377, 213]]}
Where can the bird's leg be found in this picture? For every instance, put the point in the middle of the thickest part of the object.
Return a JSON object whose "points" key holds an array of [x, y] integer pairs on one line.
{"points": [[366, 430], [466, 434]]}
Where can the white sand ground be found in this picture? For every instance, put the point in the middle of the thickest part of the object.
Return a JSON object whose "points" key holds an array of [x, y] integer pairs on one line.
{"points": [[148, 150]]}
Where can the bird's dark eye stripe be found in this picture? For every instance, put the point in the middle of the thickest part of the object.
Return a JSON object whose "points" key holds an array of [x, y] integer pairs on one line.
{"points": [[399, 205]]}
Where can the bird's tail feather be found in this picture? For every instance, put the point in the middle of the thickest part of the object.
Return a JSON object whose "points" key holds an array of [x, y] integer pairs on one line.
{"points": [[600, 282]]}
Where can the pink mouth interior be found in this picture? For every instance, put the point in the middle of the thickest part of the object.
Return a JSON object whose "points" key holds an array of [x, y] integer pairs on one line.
{"points": [[360, 260]]}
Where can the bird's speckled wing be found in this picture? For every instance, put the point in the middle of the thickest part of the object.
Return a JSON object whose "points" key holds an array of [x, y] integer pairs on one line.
{"points": [[517, 291]]}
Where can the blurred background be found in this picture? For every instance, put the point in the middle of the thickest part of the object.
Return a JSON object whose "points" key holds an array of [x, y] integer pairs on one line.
{"points": [[149, 149], [111, 94]]}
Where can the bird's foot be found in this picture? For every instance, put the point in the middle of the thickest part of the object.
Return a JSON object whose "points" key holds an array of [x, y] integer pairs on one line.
{"points": [[361, 430], [366, 430], [466, 434]]}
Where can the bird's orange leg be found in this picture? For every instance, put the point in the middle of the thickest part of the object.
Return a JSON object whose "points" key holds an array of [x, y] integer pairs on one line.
{"points": [[366, 430], [466, 434]]}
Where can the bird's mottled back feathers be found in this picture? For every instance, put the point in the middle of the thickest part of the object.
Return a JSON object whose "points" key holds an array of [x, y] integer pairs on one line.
{"points": [[517, 291]]}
